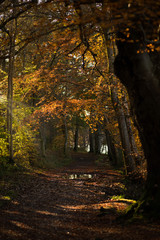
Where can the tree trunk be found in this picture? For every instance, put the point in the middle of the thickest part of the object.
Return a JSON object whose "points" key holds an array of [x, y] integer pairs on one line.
{"points": [[97, 140], [129, 160], [10, 92], [111, 148], [24, 59], [76, 136], [134, 67], [131, 135], [84, 140], [3, 60], [65, 134], [43, 137], [3, 64], [113, 152], [91, 141]]}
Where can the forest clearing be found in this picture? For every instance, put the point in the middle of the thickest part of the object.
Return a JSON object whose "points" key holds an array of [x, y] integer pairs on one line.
{"points": [[67, 204]]}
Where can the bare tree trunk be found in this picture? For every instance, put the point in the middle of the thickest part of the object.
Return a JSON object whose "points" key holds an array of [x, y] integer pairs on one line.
{"points": [[129, 160], [2, 60], [131, 135], [97, 140], [65, 134], [24, 59], [3, 64], [140, 73], [111, 148], [112, 151], [10, 91], [91, 141], [43, 137], [84, 140], [76, 136]]}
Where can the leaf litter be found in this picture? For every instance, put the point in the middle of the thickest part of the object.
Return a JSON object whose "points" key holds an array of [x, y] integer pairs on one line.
{"points": [[52, 205]]}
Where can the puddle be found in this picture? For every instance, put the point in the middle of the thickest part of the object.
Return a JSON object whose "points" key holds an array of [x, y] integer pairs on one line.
{"points": [[81, 176]]}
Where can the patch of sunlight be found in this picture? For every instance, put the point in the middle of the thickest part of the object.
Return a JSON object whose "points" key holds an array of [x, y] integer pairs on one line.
{"points": [[15, 202], [12, 212], [11, 233], [90, 206], [78, 207], [20, 225], [8, 198], [121, 198], [117, 197], [46, 213], [107, 205]]}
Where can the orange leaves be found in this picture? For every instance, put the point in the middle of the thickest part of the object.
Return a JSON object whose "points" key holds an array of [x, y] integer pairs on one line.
{"points": [[57, 108]]}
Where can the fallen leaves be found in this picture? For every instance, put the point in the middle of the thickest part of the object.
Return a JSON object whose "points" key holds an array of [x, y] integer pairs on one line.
{"points": [[51, 205]]}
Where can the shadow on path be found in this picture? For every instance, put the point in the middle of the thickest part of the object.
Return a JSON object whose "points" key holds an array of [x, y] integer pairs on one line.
{"points": [[52, 205]]}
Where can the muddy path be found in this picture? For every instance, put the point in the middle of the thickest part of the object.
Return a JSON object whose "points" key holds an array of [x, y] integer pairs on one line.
{"points": [[65, 204]]}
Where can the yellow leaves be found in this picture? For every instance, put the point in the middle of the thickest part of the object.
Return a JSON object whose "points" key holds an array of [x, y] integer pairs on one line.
{"points": [[150, 48], [128, 34], [150, 45], [35, 23], [100, 80], [116, 124], [141, 51], [157, 49]]}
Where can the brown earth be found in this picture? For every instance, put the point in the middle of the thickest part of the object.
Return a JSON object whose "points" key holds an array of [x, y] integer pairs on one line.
{"points": [[69, 203]]}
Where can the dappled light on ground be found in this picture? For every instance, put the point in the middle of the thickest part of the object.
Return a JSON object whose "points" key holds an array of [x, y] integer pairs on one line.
{"points": [[51, 205]]}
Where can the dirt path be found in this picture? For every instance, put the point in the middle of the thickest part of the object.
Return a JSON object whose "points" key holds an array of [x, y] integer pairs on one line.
{"points": [[65, 205]]}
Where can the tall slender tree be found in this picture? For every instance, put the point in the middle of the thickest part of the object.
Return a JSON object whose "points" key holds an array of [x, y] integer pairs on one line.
{"points": [[12, 37]]}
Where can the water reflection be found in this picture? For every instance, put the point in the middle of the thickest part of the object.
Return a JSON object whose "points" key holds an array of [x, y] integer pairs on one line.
{"points": [[82, 176]]}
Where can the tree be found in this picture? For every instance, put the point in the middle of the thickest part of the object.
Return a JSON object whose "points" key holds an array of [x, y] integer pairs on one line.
{"points": [[136, 28], [143, 88], [113, 151], [97, 139], [91, 141], [136, 66], [76, 135], [129, 160]]}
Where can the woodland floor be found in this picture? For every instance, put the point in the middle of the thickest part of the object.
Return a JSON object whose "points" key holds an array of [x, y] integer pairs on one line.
{"points": [[65, 204]]}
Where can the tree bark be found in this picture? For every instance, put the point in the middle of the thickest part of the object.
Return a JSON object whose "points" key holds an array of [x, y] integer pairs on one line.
{"points": [[65, 134], [43, 137], [97, 140], [111, 148], [10, 91], [139, 72], [3, 64], [91, 141], [113, 152], [76, 136], [129, 160], [137, 157]]}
